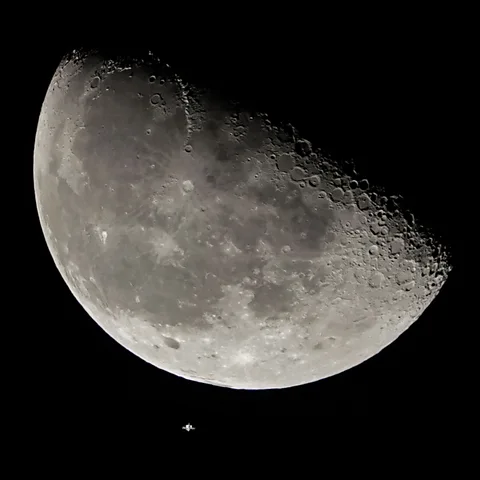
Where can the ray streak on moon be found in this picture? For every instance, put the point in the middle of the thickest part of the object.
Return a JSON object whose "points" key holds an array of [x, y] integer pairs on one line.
{"points": [[214, 243]]}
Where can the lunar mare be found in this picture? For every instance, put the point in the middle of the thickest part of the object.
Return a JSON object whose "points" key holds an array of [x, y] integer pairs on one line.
{"points": [[211, 242]]}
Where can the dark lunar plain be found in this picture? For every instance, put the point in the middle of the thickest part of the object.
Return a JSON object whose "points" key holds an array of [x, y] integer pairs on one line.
{"points": [[390, 111]]}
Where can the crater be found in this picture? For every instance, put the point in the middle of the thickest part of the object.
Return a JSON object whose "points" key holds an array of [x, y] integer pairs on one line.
{"points": [[171, 343], [285, 163]]}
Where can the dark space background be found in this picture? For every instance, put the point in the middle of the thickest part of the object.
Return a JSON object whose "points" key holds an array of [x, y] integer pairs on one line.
{"points": [[392, 108]]}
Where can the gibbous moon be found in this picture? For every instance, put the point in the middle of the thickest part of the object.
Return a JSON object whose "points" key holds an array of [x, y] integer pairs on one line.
{"points": [[213, 243]]}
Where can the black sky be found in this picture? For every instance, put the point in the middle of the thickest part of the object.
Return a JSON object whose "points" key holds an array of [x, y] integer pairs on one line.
{"points": [[389, 109]]}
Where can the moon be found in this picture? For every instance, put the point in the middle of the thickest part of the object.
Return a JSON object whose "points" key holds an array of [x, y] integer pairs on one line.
{"points": [[214, 243]]}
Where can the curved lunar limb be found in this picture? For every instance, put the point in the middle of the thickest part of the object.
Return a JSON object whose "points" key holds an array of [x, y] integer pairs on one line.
{"points": [[213, 243]]}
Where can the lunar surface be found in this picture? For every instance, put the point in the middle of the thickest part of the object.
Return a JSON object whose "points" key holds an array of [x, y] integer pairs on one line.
{"points": [[213, 243]]}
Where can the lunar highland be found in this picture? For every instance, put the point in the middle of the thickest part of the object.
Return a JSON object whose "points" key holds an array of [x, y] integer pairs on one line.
{"points": [[213, 243]]}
